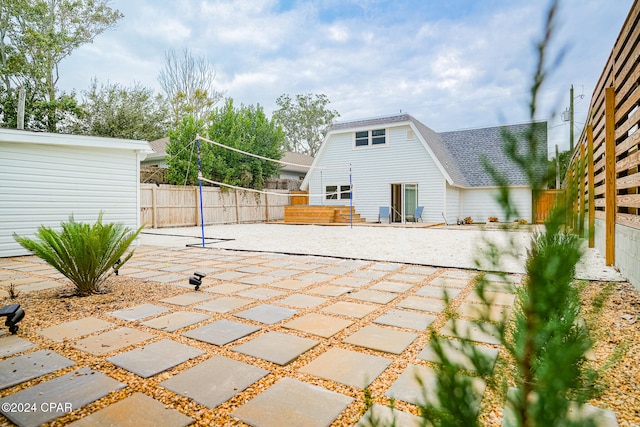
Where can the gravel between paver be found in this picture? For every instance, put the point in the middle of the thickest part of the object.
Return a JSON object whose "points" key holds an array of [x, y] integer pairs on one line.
{"points": [[617, 325]]}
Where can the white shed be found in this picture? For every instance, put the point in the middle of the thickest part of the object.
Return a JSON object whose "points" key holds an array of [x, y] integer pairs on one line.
{"points": [[46, 177]]}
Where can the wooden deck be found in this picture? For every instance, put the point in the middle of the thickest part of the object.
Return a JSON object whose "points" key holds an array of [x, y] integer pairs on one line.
{"points": [[305, 214]]}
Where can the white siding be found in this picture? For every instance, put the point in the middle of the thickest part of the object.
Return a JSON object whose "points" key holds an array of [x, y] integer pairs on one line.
{"points": [[45, 184], [481, 203], [374, 169], [452, 213]]}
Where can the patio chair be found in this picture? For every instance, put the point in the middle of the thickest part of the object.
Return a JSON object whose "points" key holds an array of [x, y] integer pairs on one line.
{"points": [[417, 215], [383, 212]]}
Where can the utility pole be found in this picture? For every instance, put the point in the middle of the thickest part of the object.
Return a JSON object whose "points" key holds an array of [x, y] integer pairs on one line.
{"points": [[557, 168], [571, 119]]}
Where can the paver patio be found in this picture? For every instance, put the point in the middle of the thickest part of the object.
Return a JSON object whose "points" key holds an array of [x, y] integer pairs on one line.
{"points": [[311, 322]]}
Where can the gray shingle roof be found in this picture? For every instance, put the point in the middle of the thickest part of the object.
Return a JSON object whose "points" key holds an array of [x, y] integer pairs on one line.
{"points": [[461, 152], [468, 147]]}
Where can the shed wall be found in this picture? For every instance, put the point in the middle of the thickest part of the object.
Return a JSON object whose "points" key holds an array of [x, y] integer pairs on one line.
{"points": [[45, 184]]}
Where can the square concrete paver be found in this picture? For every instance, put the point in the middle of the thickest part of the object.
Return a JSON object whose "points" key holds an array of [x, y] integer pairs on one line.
{"points": [[214, 381], [302, 301], [379, 415], [438, 292], [276, 347], [266, 313], [382, 339], [253, 269], [290, 284], [73, 391], [29, 366], [347, 367], [188, 298], [316, 277], [495, 298], [423, 304], [396, 287], [408, 389], [12, 344], [455, 353], [168, 278], [138, 312], [137, 410], [228, 275], [483, 333], [350, 309], [221, 332], [257, 280], [355, 282], [39, 286], [373, 296], [260, 293], [283, 273], [75, 329], [421, 270], [318, 324], [157, 357], [224, 304], [492, 313], [330, 290], [448, 282], [174, 321], [406, 319], [226, 288], [291, 402], [107, 342], [406, 278]]}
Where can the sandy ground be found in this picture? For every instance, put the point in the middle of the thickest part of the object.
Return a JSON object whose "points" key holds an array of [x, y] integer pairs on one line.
{"points": [[436, 246]]}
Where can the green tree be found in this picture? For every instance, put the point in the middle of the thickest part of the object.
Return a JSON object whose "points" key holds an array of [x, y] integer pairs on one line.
{"points": [[246, 128], [305, 120], [116, 111], [188, 86], [36, 36], [564, 157]]}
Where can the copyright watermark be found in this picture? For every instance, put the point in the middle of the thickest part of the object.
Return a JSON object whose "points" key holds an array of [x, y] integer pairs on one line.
{"points": [[48, 407]]}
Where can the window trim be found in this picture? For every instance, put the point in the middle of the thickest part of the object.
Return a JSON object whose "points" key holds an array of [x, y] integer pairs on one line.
{"points": [[371, 138], [343, 192]]}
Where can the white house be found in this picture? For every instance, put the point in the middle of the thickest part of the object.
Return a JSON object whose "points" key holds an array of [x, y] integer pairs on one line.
{"points": [[46, 177], [398, 162]]}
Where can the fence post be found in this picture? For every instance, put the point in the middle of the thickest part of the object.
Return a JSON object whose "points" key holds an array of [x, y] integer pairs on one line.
{"points": [[237, 208], [581, 191], [266, 208], [610, 176], [592, 204], [154, 220]]}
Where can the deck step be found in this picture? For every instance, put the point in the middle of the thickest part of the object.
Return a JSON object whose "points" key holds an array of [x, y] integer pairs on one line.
{"points": [[305, 214]]}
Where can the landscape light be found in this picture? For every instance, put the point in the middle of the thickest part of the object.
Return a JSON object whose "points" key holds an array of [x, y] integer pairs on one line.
{"points": [[14, 314], [116, 266], [196, 279]]}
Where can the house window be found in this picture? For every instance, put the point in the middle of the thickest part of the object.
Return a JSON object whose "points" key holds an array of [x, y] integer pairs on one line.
{"points": [[337, 192], [368, 138]]}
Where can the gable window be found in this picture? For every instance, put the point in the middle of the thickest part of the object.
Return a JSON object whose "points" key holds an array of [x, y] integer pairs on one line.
{"points": [[368, 138], [337, 192]]}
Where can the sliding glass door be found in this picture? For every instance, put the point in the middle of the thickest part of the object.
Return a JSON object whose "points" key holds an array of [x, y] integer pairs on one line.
{"points": [[404, 200]]}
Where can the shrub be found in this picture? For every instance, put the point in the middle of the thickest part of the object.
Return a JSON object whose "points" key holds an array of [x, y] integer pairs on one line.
{"points": [[468, 220], [83, 253], [493, 219]]}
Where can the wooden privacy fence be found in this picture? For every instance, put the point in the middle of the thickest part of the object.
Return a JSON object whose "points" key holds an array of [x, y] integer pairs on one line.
{"points": [[179, 206], [603, 180]]}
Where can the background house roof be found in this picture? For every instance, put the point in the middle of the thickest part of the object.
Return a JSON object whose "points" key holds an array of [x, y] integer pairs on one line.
{"points": [[298, 159], [460, 153]]}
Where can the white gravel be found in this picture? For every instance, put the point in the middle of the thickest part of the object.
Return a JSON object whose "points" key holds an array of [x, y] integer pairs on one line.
{"points": [[436, 246]]}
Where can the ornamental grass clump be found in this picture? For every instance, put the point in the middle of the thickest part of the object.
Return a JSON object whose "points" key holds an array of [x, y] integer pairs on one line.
{"points": [[84, 253]]}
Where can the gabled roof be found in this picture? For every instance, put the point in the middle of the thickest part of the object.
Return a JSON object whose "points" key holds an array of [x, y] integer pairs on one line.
{"points": [[460, 153]]}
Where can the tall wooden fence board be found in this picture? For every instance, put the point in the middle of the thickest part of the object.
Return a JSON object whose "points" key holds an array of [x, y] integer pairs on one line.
{"points": [[608, 188], [178, 206]]}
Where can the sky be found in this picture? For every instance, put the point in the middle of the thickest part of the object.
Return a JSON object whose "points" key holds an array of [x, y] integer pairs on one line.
{"points": [[452, 64]]}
